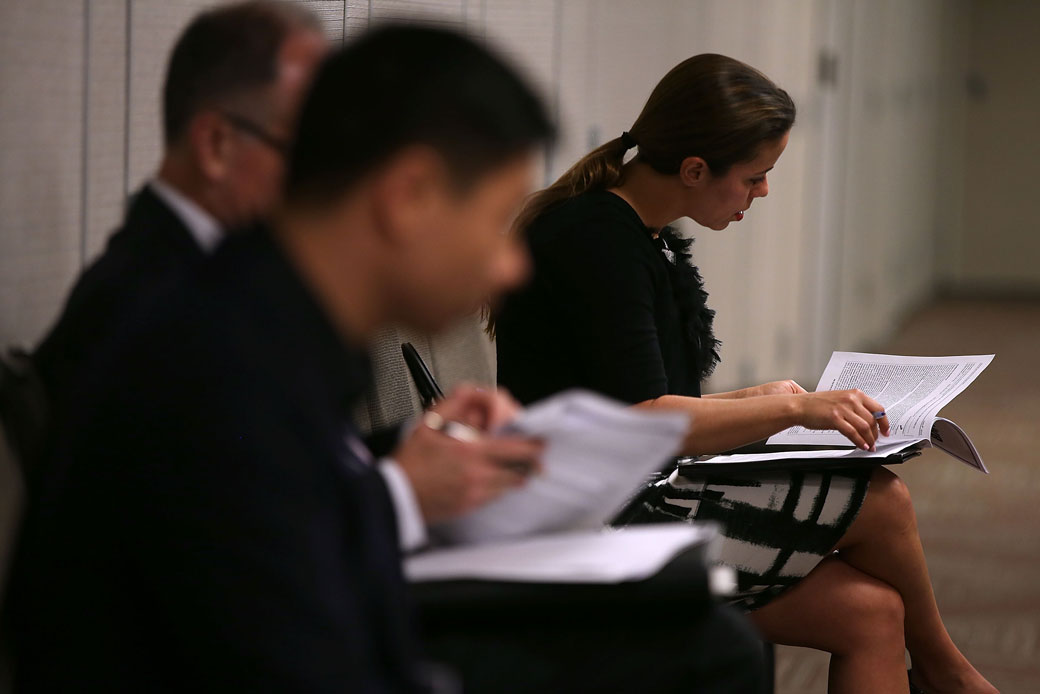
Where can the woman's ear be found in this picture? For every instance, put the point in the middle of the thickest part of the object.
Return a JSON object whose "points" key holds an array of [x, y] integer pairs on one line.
{"points": [[693, 171]]}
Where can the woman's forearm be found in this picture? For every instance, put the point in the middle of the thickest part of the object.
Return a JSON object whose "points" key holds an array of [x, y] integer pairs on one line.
{"points": [[731, 394], [722, 424], [772, 388]]}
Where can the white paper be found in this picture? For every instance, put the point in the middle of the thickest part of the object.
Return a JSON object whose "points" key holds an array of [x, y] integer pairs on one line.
{"points": [[590, 556], [911, 389], [883, 449], [598, 452], [945, 435]]}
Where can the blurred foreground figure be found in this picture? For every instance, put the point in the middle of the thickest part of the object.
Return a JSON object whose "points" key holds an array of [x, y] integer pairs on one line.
{"points": [[232, 94], [212, 519]]}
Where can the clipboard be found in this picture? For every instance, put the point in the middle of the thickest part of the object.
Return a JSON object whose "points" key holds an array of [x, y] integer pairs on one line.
{"points": [[702, 465]]}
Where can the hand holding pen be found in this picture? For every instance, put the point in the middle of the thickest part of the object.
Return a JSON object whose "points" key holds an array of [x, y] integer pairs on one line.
{"points": [[860, 418], [453, 464]]}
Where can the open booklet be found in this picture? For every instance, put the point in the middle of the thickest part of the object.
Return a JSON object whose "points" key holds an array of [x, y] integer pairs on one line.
{"points": [[912, 391], [552, 530]]}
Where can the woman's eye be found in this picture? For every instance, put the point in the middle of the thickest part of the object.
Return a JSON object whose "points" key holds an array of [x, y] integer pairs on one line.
{"points": [[756, 181]]}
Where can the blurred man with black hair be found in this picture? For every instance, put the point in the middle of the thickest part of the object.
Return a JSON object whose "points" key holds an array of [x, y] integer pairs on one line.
{"points": [[213, 520]]}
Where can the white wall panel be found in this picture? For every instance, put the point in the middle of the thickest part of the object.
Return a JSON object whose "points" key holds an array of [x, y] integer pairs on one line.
{"points": [[773, 242], [104, 176], [575, 109], [41, 138], [356, 20], [450, 13], [154, 26], [333, 15], [889, 219], [526, 33], [824, 117]]}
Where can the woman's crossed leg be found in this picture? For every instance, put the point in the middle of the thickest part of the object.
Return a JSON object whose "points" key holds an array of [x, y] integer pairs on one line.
{"points": [[869, 600]]}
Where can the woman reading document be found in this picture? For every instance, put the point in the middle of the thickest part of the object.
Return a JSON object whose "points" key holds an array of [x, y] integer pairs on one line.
{"points": [[829, 560]]}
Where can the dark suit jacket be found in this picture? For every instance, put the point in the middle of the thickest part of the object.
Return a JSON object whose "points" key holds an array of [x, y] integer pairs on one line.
{"points": [[206, 522], [152, 254], [153, 249]]}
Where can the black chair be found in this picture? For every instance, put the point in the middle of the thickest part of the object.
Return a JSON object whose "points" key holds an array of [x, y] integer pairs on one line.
{"points": [[24, 409], [24, 421]]}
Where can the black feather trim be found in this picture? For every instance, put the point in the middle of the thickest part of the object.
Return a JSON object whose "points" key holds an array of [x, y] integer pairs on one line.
{"points": [[692, 299]]}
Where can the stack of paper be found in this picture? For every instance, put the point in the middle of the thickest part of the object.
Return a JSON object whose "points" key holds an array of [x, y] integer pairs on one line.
{"points": [[599, 556]]}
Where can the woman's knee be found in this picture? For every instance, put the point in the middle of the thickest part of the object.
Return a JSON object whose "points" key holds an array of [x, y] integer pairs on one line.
{"points": [[837, 609], [890, 497], [873, 617]]}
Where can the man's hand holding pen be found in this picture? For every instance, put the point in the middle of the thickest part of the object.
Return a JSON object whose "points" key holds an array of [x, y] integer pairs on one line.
{"points": [[454, 466]]}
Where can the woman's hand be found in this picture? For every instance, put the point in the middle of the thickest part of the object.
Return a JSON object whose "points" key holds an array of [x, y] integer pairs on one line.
{"points": [[851, 412]]}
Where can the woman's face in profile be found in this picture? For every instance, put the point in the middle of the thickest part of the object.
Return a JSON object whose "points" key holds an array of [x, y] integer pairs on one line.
{"points": [[724, 199]]}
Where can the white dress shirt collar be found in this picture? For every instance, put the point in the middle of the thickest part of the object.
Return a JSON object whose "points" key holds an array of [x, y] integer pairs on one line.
{"points": [[203, 226]]}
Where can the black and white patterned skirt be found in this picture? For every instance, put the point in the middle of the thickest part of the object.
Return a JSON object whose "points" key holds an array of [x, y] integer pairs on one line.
{"points": [[776, 526]]}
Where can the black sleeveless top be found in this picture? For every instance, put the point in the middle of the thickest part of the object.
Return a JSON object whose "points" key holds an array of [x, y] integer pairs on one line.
{"points": [[608, 308]]}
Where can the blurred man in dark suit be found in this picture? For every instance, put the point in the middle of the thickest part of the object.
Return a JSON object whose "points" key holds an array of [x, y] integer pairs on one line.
{"points": [[212, 519], [230, 98]]}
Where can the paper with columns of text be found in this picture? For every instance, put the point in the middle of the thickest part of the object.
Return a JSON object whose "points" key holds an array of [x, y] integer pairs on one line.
{"points": [[911, 389]]}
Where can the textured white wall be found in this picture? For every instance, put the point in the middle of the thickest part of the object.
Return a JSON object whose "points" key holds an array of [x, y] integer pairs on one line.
{"points": [[843, 246]]}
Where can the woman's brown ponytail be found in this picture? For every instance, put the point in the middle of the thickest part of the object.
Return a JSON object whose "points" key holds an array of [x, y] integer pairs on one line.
{"points": [[600, 169]]}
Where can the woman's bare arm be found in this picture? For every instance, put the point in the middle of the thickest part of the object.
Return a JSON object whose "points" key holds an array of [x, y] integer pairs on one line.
{"points": [[722, 424], [773, 388]]}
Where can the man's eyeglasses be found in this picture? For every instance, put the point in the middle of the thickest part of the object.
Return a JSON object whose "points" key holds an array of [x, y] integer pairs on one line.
{"points": [[256, 131]]}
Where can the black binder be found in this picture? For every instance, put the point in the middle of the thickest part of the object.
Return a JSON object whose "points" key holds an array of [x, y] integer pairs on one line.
{"points": [[702, 465]]}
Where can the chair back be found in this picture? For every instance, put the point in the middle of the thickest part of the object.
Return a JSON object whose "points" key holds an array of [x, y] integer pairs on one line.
{"points": [[23, 425], [463, 353], [24, 409]]}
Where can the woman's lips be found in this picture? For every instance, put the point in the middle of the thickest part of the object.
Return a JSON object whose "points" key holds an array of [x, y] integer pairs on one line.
{"points": [[738, 216]]}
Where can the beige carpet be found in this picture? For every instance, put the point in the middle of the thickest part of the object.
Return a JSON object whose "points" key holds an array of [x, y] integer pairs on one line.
{"points": [[981, 533]]}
